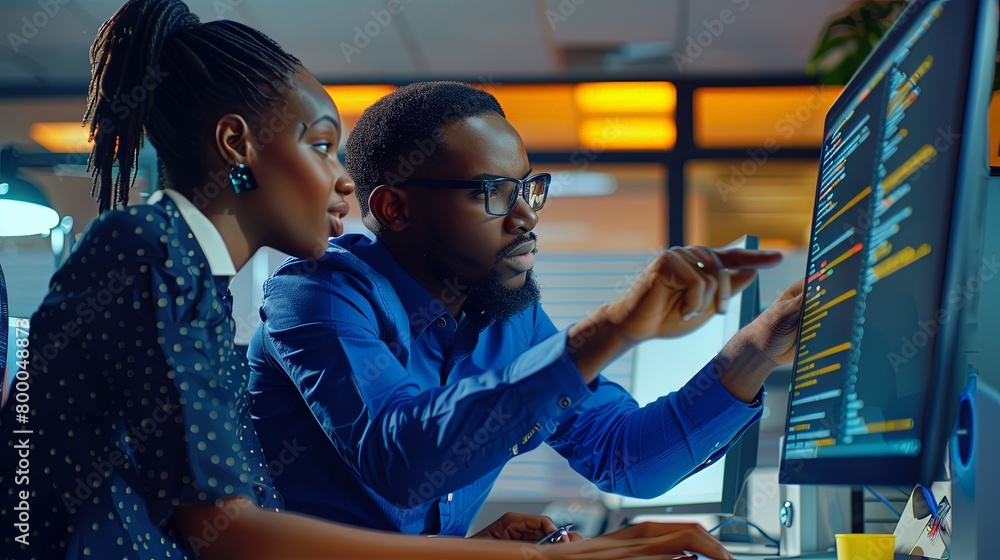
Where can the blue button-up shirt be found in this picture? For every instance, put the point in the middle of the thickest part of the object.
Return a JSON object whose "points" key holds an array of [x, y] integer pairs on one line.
{"points": [[375, 407]]}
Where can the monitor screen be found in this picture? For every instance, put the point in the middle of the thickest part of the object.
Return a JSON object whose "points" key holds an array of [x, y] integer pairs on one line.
{"points": [[876, 353], [668, 364]]}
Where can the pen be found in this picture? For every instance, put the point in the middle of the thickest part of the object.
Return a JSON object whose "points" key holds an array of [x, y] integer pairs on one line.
{"points": [[557, 535], [931, 501]]}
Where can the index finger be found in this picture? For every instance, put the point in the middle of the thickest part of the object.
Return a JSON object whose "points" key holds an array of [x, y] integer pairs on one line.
{"points": [[747, 258]]}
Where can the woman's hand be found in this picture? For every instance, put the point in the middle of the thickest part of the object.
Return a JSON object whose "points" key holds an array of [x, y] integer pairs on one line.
{"points": [[658, 540], [522, 527]]}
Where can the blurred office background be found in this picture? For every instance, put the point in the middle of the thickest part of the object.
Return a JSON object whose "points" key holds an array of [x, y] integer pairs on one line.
{"points": [[665, 122]]}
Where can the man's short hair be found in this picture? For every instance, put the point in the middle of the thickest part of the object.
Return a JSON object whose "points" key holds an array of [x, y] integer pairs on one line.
{"points": [[402, 132]]}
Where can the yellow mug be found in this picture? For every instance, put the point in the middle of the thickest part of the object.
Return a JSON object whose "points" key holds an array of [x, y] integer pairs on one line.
{"points": [[859, 546]]}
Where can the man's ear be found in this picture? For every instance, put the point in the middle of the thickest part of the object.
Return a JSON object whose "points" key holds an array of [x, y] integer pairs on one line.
{"points": [[232, 139], [390, 208]]}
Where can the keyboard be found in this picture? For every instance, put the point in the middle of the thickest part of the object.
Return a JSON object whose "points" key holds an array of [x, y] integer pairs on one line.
{"points": [[815, 556]]}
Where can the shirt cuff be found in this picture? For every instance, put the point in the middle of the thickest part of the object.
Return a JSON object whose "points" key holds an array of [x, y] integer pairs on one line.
{"points": [[710, 415], [546, 378]]}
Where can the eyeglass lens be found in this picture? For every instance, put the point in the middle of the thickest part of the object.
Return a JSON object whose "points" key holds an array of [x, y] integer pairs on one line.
{"points": [[502, 195]]}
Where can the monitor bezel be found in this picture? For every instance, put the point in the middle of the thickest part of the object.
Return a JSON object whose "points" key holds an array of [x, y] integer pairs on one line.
{"points": [[964, 227]]}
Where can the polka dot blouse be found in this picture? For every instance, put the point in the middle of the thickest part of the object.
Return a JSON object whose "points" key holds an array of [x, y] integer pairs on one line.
{"points": [[138, 399]]}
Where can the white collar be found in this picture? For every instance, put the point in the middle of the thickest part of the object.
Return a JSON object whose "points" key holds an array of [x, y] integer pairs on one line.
{"points": [[220, 263]]}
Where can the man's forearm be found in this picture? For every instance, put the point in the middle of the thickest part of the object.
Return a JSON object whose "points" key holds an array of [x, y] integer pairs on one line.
{"points": [[595, 342], [742, 368]]}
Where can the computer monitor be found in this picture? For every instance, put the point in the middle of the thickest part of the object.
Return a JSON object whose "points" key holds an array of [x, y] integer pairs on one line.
{"points": [[892, 264], [670, 363]]}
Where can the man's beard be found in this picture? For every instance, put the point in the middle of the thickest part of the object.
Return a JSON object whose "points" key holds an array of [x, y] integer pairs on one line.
{"points": [[488, 294]]}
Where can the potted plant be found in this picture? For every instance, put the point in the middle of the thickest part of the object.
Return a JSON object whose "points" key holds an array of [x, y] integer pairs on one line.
{"points": [[851, 36]]}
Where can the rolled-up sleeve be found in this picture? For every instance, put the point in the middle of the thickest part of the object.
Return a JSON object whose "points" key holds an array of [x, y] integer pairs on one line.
{"points": [[644, 451]]}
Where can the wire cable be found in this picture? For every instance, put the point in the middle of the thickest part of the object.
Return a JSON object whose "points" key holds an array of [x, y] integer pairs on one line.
{"points": [[884, 501]]}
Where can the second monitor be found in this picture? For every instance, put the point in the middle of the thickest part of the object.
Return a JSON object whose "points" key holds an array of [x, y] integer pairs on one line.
{"points": [[666, 364]]}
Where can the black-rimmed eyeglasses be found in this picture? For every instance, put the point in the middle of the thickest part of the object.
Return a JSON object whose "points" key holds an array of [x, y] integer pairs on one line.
{"points": [[500, 194]]}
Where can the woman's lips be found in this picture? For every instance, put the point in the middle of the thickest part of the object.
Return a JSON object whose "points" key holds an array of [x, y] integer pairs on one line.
{"points": [[336, 215], [336, 225]]}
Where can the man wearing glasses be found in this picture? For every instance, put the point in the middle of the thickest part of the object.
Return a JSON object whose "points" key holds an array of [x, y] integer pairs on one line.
{"points": [[411, 368]]}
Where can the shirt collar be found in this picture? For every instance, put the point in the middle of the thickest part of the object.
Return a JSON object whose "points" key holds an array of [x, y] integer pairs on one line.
{"points": [[422, 308], [205, 233]]}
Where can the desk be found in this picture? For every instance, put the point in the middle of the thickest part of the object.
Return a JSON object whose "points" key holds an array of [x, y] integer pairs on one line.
{"points": [[818, 556]]}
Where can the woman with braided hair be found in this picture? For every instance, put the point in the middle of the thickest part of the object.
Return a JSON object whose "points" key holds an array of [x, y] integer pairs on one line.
{"points": [[138, 436]]}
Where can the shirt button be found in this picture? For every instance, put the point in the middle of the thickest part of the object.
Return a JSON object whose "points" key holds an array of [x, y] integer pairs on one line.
{"points": [[565, 401], [441, 322], [450, 496]]}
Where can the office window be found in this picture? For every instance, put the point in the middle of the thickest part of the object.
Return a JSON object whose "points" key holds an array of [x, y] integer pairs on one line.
{"points": [[775, 117], [604, 208], [770, 199], [595, 115], [598, 116], [352, 101], [994, 126]]}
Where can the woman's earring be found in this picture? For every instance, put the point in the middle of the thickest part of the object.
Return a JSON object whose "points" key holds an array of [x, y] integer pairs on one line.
{"points": [[242, 178]]}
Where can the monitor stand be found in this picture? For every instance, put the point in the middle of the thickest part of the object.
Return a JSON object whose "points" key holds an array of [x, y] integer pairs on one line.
{"points": [[811, 516]]}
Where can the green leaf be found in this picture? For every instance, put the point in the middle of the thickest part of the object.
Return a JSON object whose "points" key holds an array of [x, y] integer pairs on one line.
{"points": [[854, 34], [840, 46]]}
